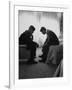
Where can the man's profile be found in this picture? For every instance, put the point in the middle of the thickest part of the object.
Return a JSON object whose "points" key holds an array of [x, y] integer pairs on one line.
{"points": [[50, 40], [27, 39]]}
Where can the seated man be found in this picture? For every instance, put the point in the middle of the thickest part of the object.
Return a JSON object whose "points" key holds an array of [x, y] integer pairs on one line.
{"points": [[50, 40], [27, 39]]}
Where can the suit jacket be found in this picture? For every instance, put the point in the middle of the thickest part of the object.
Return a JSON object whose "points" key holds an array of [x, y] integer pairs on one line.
{"points": [[25, 37], [51, 39]]}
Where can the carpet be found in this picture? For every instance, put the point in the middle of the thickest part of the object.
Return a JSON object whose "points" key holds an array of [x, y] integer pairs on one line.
{"points": [[39, 70]]}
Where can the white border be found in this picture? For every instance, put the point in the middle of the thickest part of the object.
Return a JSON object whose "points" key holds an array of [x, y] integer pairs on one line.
{"points": [[14, 81]]}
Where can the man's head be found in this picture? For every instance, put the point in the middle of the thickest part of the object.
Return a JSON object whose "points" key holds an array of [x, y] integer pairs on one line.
{"points": [[32, 28], [43, 30]]}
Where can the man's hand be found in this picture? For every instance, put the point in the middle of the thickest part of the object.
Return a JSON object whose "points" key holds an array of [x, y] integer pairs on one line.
{"points": [[37, 45]]}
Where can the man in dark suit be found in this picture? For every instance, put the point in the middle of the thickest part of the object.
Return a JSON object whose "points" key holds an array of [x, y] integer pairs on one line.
{"points": [[50, 40], [26, 38]]}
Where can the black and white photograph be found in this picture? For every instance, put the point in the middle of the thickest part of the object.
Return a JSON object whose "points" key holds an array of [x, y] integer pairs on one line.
{"points": [[36, 47], [40, 37]]}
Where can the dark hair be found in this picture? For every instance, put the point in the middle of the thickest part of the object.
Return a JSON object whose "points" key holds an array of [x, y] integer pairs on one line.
{"points": [[42, 28], [32, 27]]}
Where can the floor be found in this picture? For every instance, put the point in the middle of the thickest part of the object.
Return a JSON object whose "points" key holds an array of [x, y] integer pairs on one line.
{"points": [[39, 70]]}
